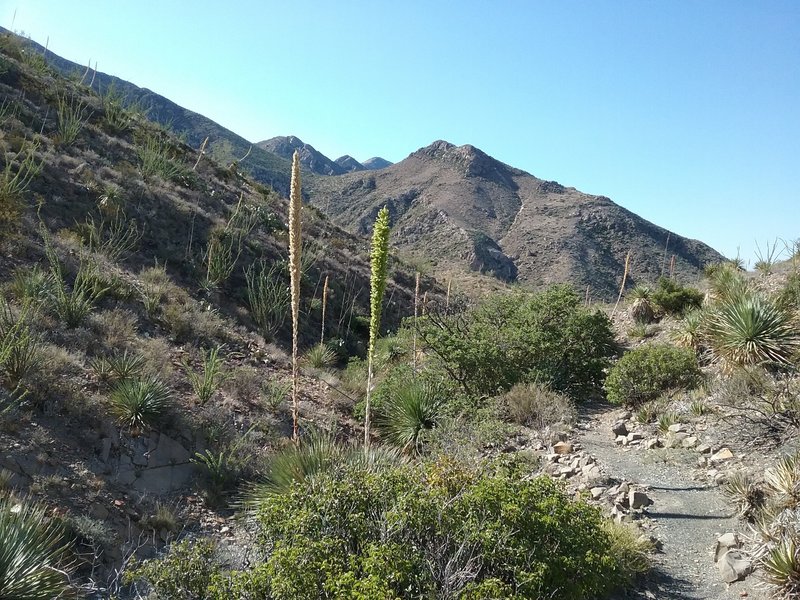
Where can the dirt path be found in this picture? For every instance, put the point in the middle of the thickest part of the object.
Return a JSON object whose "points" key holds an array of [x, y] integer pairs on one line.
{"points": [[688, 516]]}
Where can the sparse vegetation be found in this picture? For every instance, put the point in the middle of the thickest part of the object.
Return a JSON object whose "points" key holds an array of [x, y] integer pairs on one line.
{"points": [[213, 374], [538, 407], [139, 403]]}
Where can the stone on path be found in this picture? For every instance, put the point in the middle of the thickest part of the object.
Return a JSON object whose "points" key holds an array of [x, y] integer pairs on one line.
{"points": [[619, 428], [638, 499], [733, 566], [562, 448], [721, 455]]}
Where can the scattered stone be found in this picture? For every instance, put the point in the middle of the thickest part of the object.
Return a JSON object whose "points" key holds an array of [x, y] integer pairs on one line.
{"points": [[689, 442], [621, 440], [553, 458], [619, 428], [623, 487], [674, 439], [592, 473], [704, 449], [652, 443], [678, 428], [733, 566], [566, 471], [597, 492], [638, 499], [562, 448], [635, 435], [721, 456], [725, 542]]}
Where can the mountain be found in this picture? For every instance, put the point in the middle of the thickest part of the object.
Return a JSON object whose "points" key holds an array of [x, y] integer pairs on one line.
{"points": [[349, 164], [458, 206], [310, 158], [223, 145], [375, 163]]}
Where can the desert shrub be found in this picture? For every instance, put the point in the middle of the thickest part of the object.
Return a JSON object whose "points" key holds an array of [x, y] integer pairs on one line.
{"points": [[320, 357], [408, 411], [449, 527], [675, 298], [548, 337], [751, 329], [33, 285], [268, 297], [32, 553], [648, 371], [20, 346], [140, 402], [689, 332], [184, 573], [213, 375], [72, 116], [156, 159], [537, 406], [642, 309], [789, 295], [18, 172]]}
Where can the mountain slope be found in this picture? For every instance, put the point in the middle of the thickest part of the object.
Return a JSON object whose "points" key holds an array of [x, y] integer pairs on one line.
{"points": [[375, 163], [458, 205], [310, 158]]}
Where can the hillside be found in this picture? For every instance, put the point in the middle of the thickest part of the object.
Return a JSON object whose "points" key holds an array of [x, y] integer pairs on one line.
{"points": [[310, 158], [459, 205]]}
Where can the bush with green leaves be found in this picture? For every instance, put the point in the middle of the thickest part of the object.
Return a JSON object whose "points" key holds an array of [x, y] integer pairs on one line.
{"points": [[647, 372], [550, 337], [421, 531], [32, 553], [674, 298]]}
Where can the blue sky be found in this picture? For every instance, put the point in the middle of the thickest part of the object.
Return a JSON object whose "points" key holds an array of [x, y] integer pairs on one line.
{"points": [[686, 112]]}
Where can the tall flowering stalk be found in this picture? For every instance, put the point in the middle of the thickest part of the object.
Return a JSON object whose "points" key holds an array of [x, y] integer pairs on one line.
{"points": [[295, 202], [416, 314], [379, 259], [324, 308]]}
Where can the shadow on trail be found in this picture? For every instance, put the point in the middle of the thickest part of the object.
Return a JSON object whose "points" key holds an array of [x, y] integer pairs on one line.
{"points": [[695, 488], [672, 515], [661, 585]]}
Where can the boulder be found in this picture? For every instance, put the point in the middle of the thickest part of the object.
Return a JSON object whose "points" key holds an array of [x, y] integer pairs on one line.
{"points": [[619, 428], [638, 499], [562, 448], [721, 455], [689, 442], [733, 566], [597, 492]]}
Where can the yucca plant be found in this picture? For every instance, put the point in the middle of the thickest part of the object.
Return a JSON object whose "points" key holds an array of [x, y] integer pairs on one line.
{"points": [[689, 333], [32, 553], [647, 413], [410, 411], [740, 489], [141, 402], [784, 479], [125, 365], [211, 378], [318, 454], [379, 260], [320, 357], [20, 346], [665, 420], [752, 330], [781, 567], [295, 274], [34, 285], [727, 282], [71, 119], [642, 309]]}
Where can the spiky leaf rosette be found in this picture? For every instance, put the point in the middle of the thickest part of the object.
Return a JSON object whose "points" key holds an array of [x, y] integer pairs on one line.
{"points": [[32, 551], [751, 330], [295, 202]]}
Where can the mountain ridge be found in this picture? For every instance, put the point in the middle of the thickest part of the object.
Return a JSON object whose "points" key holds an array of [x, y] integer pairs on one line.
{"points": [[450, 201]]}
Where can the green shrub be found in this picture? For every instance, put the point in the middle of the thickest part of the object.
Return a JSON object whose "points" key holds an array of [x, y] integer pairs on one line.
{"points": [[789, 294], [32, 553], [674, 298], [548, 337], [320, 357], [648, 371], [212, 377], [410, 531], [184, 573]]}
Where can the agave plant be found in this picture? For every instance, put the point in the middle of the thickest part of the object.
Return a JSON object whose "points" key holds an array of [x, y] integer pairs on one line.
{"points": [[409, 412], [642, 309], [751, 330], [139, 403], [741, 490], [32, 553], [781, 567]]}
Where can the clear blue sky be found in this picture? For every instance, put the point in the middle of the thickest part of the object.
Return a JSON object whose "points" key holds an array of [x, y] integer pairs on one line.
{"points": [[686, 112]]}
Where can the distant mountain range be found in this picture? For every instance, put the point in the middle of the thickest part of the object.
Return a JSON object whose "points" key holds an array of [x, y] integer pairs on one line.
{"points": [[315, 161], [459, 206], [452, 204]]}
